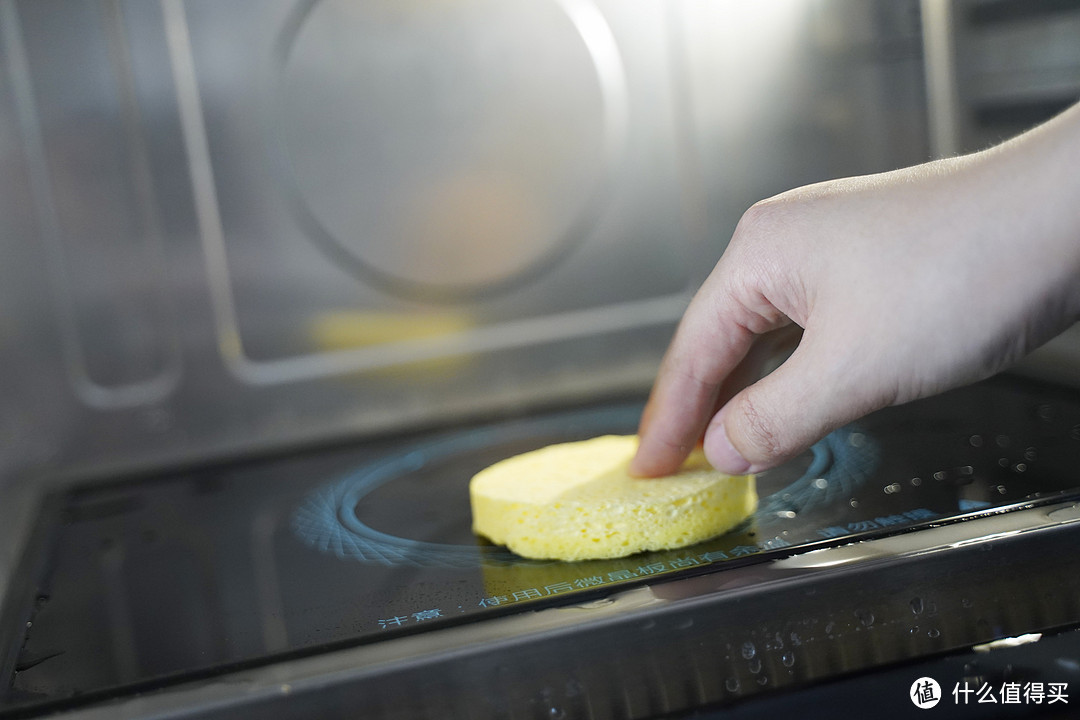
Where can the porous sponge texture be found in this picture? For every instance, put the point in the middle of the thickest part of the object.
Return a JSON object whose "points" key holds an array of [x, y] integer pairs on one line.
{"points": [[577, 501]]}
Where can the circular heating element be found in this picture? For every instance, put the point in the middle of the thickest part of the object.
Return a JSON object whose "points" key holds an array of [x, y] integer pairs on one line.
{"points": [[332, 519], [448, 150]]}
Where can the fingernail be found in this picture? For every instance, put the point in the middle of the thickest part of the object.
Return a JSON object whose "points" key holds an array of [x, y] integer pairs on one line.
{"points": [[723, 456]]}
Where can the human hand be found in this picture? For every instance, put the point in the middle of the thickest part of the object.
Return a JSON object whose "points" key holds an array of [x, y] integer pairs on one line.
{"points": [[905, 284]]}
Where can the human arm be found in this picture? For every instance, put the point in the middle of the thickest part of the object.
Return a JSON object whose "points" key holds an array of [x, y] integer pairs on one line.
{"points": [[904, 283]]}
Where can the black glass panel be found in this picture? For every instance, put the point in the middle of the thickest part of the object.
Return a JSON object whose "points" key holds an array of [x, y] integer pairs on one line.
{"points": [[155, 580]]}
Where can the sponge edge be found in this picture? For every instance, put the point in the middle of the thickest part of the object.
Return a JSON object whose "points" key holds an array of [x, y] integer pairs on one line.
{"points": [[578, 501]]}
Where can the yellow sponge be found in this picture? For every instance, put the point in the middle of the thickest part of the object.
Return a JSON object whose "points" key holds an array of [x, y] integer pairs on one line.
{"points": [[577, 501]]}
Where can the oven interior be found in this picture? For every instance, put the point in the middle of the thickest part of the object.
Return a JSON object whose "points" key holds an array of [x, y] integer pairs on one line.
{"points": [[281, 276]]}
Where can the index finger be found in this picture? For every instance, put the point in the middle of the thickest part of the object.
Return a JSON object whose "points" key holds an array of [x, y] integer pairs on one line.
{"points": [[707, 347]]}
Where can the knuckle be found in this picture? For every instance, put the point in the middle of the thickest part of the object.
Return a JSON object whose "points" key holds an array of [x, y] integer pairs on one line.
{"points": [[760, 430], [697, 377], [673, 445], [694, 370], [761, 219]]}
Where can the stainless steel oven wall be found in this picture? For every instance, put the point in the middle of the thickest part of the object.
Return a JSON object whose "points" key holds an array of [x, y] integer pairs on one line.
{"points": [[229, 225]]}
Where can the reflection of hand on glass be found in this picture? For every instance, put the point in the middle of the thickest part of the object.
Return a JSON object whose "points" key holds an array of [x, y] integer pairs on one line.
{"points": [[905, 284]]}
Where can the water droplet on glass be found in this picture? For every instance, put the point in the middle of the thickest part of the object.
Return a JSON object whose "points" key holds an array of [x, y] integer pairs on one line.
{"points": [[1003, 462], [892, 488], [1001, 489], [795, 639], [557, 713], [975, 441], [1002, 441], [763, 680], [853, 503], [748, 650], [732, 684], [786, 514], [933, 633], [856, 439], [1030, 454], [916, 481], [865, 617], [916, 605], [788, 659], [967, 603], [1019, 468], [754, 666], [914, 629], [940, 475], [829, 628], [820, 483]]}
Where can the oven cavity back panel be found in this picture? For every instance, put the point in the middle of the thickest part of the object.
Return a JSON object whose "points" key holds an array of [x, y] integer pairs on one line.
{"points": [[384, 183]]}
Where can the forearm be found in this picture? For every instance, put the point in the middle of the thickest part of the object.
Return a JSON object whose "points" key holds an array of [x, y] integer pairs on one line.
{"points": [[1044, 166], [1028, 190]]}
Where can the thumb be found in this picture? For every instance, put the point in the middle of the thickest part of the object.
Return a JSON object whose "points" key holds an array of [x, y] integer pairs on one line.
{"points": [[779, 416]]}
